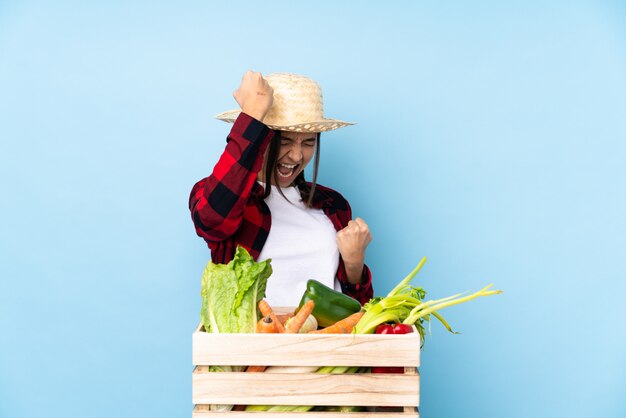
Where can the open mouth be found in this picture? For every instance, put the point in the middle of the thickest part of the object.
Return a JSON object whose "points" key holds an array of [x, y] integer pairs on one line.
{"points": [[285, 171]]}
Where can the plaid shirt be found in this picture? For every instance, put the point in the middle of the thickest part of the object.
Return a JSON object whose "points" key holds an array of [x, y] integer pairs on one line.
{"points": [[228, 209]]}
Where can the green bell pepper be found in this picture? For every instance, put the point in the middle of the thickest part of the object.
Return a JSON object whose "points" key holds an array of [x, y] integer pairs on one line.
{"points": [[330, 306]]}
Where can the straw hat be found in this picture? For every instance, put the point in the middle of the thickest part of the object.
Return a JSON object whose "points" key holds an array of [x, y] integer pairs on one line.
{"points": [[297, 106]]}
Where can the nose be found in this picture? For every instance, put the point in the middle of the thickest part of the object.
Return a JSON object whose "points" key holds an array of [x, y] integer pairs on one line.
{"points": [[295, 152]]}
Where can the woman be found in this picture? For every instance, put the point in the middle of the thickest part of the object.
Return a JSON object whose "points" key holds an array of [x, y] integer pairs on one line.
{"points": [[257, 197]]}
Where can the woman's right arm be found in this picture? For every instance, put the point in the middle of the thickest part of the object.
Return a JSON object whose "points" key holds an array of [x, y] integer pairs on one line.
{"points": [[217, 202]]}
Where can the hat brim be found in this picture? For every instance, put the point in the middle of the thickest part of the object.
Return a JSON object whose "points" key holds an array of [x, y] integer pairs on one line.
{"points": [[323, 125]]}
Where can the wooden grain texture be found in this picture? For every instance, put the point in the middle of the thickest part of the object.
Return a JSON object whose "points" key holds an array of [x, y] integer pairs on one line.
{"points": [[205, 413], [377, 391], [306, 349], [305, 389]]}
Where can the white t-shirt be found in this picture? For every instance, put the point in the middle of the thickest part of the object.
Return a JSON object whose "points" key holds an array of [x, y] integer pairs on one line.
{"points": [[302, 246]]}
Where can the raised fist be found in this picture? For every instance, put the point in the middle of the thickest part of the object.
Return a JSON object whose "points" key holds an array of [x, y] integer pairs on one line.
{"points": [[254, 95], [353, 240]]}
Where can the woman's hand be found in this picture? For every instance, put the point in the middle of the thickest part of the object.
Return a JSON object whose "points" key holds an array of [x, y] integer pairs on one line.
{"points": [[352, 242], [254, 95]]}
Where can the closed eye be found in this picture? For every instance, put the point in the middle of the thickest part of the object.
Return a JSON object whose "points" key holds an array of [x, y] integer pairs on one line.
{"points": [[305, 143]]}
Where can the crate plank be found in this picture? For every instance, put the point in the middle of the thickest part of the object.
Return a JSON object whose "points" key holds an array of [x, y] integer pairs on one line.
{"points": [[305, 389], [377, 391], [205, 413], [200, 413], [306, 349]]}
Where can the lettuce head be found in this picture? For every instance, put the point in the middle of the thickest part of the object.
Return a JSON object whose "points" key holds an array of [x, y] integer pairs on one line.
{"points": [[230, 293]]}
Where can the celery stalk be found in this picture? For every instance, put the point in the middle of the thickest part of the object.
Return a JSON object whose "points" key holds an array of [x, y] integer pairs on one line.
{"points": [[290, 408], [421, 313], [408, 278], [444, 322], [405, 304]]}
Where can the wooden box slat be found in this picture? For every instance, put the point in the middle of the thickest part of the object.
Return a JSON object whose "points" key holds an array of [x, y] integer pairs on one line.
{"points": [[202, 411], [306, 349], [356, 389], [305, 389]]}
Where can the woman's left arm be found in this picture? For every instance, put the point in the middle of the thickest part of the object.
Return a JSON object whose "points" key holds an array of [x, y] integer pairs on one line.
{"points": [[353, 237]]}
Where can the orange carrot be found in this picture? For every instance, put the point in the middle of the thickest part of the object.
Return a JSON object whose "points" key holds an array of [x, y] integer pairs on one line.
{"points": [[256, 369], [345, 326], [297, 321], [266, 325], [266, 310]]}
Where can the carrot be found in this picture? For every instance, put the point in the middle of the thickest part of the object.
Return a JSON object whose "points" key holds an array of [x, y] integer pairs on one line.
{"points": [[266, 325], [266, 310], [345, 326], [256, 369], [298, 320]]}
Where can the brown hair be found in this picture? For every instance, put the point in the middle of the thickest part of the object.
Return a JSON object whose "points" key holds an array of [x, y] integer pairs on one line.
{"points": [[307, 192]]}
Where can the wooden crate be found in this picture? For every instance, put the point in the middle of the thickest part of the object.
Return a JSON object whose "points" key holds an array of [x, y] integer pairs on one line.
{"points": [[400, 391]]}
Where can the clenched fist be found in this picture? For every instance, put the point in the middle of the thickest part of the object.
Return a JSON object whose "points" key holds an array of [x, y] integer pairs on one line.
{"points": [[352, 242], [255, 96]]}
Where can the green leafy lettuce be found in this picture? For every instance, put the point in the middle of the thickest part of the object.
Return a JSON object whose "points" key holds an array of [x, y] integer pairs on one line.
{"points": [[230, 293]]}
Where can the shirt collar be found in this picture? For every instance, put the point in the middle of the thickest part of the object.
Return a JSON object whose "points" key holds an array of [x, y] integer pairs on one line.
{"points": [[321, 199]]}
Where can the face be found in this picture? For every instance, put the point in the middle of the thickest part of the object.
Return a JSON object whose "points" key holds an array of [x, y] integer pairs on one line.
{"points": [[296, 151]]}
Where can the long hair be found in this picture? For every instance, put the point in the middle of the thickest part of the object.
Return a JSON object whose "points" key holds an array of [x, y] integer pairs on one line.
{"points": [[307, 192]]}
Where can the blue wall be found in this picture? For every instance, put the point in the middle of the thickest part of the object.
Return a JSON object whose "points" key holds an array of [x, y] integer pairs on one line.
{"points": [[490, 138]]}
